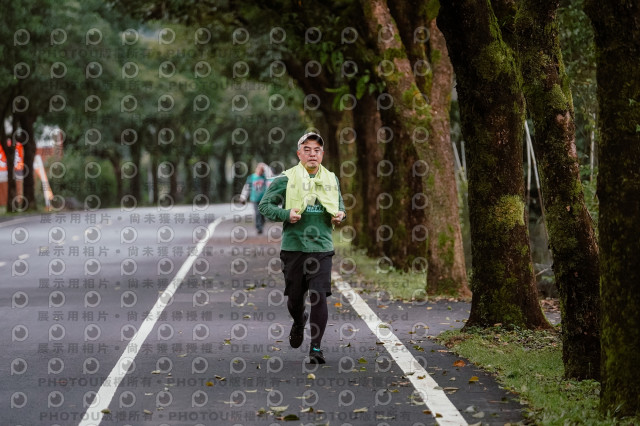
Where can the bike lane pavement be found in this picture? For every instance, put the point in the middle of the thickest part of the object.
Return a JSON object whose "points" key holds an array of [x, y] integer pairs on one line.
{"points": [[233, 364]]}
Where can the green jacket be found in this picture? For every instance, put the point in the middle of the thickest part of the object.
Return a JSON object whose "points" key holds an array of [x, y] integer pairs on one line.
{"points": [[312, 233]]}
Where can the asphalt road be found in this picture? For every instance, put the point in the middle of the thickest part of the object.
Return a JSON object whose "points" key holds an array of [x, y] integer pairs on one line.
{"points": [[176, 317]]}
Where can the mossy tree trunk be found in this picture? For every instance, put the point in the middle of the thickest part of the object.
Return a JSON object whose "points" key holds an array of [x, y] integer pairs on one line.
{"points": [[424, 209], [405, 235], [571, 234], [617, 37], [433, 73], [366, 122], [492, 113]]}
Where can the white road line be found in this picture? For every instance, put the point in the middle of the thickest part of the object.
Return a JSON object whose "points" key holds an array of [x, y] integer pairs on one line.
{"points": [[434, 398], [94, 414]]}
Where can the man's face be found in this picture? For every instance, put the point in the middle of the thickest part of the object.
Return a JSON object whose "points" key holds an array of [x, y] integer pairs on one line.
{"points": [[310, 154]]}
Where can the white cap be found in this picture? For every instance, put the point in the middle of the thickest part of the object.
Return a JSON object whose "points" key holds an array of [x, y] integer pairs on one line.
{"points": [[315, 136]]}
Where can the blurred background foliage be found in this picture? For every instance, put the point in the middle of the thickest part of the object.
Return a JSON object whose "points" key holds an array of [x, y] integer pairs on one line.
{"points": [[171, 100]]}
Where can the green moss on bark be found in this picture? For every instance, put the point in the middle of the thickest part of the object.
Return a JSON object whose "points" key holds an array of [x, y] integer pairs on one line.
{"points": [[505, 215]]}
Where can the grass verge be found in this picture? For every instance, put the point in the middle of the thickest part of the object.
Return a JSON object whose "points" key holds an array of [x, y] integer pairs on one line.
{"points": [[356, 266], [529, 363]]}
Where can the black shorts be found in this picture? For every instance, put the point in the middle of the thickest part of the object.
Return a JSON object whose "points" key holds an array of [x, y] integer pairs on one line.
{"points": [[306, 271]]}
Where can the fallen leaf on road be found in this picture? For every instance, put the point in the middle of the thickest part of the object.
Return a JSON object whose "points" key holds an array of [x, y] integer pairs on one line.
{"points": [[288, 418], [383, 417], [106, 411], [459, 363], [311, 376], [361, 410], [473, 379], [209, 383]]}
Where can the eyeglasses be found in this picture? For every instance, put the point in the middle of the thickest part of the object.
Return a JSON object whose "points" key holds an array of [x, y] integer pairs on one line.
{"points": [[308, 151]]}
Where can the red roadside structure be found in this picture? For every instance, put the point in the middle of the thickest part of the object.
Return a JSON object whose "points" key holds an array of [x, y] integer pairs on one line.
{"points": [[52, 147]]}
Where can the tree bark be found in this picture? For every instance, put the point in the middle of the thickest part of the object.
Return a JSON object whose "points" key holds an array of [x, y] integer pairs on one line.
{"points": [[430, 208], [571, 235], [114, 159], [173, 182], [405, 238], [366, 122], [427, 52], [617, 37], [154, 178], [134, 182], [492, 113], [188, 179]]}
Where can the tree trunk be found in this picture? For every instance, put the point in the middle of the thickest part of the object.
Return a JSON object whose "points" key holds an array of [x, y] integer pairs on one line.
{"points": [[492, 114], [329, 128], [154, 178], [114, 159], [27, 122], [430, 207], [447, 270], [134, 182], [405, 236], [188, 178], [369, 151], [433, 73], [617, 37], [173, 182], [571, 235]]}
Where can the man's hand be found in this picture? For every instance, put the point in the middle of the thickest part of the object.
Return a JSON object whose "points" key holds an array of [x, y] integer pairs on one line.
{"points": [[294, 216], [337, 219]]}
